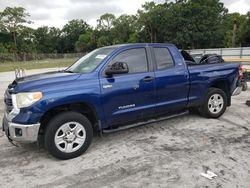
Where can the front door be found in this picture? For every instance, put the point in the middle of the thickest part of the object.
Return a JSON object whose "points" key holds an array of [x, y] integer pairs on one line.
{"points": [[130, 96]]}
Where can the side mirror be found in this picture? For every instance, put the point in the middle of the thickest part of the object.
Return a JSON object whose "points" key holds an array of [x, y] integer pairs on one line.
{"points": [[117, 68]]}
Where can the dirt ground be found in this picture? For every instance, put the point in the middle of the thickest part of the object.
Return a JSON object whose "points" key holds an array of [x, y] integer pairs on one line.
{"points": [[171, 153]]}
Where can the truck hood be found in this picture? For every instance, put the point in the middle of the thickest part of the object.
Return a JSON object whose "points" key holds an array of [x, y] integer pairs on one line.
{"points": [[36, 81]]}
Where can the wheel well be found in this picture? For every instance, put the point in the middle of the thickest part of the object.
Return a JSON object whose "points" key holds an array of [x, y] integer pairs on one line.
{"points": [[82, 108], [224, 86]]}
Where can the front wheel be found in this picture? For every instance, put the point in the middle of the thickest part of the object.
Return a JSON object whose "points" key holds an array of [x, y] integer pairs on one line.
{"points": [[68, 135], [215, 103]]}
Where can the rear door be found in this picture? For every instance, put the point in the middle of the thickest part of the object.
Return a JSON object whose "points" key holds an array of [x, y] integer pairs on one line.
{"points": [[172, 80], [129, 97]]}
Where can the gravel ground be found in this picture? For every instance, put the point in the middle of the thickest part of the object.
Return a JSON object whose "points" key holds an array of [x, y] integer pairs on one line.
{"points": [[171, 153]]}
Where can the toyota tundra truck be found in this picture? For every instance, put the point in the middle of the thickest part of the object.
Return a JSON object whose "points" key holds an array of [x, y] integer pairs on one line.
{"points": [[111, 89]]}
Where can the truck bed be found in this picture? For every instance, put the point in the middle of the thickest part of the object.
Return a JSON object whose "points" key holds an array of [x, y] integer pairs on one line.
{"points": [[203, 76]]}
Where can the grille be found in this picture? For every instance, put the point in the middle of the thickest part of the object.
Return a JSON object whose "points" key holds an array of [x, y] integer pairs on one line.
{"points": [[8, 102]]}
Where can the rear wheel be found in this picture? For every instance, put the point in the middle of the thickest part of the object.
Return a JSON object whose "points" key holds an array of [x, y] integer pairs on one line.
{"points": [[215, 103], [244, 86], [68, 135]]}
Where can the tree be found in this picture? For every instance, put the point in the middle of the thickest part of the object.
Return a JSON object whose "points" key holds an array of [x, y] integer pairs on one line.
{"points": [[245, 31], [205, 23], [71, 32], [105, 22], [41, 39], [48, 40], [228, 22], [194, 23], [124, 29], [151, 18], [186, 23], [85, 42], [26, 40], [103, 30], [12, 19], [176, 24], [55, 40]]}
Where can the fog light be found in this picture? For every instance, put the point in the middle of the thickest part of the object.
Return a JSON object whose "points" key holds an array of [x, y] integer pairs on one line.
{"points": [[18, 132]]}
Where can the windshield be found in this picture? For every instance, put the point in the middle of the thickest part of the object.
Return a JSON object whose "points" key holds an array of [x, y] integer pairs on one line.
{"points": [[90, 61]]}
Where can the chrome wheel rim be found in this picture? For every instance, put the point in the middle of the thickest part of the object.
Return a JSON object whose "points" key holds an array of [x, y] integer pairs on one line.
{"points": [[70, 137], [215, 103]]}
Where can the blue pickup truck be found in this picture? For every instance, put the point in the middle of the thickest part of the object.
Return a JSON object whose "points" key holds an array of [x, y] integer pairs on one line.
{"points": [[113, 88]]}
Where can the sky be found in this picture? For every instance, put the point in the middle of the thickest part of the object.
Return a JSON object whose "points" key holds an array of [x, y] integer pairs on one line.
{"points": [[58, 12]]}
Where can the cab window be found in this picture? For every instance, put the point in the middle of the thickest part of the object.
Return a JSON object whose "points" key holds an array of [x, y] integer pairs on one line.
{"points": [[135, 58], [163, 58]]}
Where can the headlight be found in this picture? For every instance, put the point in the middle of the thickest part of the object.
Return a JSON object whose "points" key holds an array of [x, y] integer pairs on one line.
{"points": [[27, 99]]}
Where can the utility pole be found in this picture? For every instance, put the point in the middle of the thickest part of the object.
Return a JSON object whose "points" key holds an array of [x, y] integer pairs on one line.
{"points": [[234, 33]]}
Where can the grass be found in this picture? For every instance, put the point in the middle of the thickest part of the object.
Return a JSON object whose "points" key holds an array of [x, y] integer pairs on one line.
{"points": [[36, 64]]}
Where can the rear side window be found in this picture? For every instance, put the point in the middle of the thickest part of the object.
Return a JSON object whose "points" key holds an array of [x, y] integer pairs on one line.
{"points": [[135, 58], [163, 58]]}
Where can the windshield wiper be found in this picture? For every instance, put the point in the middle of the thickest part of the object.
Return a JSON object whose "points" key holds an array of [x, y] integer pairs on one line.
{"points": [[69, 71]]}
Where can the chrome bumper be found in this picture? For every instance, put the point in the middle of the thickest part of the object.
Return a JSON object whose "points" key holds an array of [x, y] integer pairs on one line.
{"points": [[237, 90], [20, 132]]}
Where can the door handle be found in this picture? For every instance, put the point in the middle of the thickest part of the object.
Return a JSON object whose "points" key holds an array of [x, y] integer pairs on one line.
{"points": [[148, 78]]}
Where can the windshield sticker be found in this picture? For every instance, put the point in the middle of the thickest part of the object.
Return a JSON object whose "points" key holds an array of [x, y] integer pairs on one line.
{"points": [[100, 56]]}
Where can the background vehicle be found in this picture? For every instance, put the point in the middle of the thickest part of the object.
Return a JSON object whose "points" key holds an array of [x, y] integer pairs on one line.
{"points": [[114, 88], [205, 59]]}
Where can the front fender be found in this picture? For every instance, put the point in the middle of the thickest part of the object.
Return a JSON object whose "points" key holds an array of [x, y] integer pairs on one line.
{"points": [[79, 91], [35, 113]]}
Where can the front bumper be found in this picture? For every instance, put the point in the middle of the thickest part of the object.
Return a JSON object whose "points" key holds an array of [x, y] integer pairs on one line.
{"points": [[20, 132], [237, 90]]}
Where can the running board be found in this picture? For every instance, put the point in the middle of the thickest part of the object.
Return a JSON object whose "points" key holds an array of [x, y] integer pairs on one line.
{"points": [[144, 122]]}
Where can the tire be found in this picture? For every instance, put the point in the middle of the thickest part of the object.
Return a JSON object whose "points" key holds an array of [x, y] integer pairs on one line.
{"points": [[68, 135], [244, 86], [215, 103]]}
